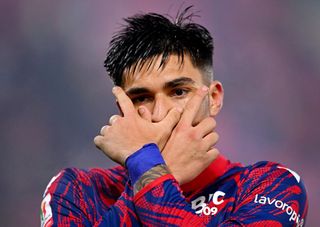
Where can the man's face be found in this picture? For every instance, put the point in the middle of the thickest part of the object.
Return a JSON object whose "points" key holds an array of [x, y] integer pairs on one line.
{"points": [[161, 89]]}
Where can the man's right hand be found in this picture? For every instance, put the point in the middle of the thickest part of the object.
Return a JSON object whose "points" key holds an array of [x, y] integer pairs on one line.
{"points": [[128, 133]]}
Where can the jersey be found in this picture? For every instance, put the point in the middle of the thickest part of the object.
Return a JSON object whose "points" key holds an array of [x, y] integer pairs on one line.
{"points": [[224, 194]]}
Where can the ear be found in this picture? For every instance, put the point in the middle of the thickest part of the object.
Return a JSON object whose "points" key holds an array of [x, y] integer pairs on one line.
{"points": [[215, 97]]}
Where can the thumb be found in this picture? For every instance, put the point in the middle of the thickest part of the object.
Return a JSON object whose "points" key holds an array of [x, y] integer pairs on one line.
{"points": [[172, 118], [144, 113]]}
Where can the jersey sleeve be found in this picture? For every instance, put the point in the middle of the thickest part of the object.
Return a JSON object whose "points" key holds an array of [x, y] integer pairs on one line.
{"points": [[79, 198], [271, 195], [267, 196]]}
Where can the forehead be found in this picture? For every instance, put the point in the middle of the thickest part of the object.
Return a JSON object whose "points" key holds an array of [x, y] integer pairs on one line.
{"points": [[151, 73]]}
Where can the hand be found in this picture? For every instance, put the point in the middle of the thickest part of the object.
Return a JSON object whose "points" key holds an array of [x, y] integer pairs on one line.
{"points": [[128, 133], [189, 149]]}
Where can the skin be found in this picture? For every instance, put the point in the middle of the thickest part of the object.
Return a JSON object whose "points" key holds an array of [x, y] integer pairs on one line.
{"points": [[171, 107]]}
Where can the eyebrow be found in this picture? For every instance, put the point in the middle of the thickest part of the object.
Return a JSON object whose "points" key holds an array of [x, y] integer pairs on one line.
{"points": [[179, 82], [137, 90], [170, 84]]}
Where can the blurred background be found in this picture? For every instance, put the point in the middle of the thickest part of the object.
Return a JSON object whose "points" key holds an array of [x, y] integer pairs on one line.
{"points": [[55, 94]]}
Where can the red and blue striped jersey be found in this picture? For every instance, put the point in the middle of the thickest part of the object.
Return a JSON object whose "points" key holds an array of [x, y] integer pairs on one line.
{"points": [[225, 194]]}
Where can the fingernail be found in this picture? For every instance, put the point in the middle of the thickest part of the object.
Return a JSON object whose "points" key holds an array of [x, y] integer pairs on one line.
{"points": [[141, 110]]}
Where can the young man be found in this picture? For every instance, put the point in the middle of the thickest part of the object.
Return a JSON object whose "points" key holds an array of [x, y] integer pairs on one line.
{"points": [[170, 173]]}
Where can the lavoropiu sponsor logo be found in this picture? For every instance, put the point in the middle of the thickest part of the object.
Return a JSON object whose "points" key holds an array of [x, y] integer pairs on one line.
{"points": [[200, 204], [293, 216]]}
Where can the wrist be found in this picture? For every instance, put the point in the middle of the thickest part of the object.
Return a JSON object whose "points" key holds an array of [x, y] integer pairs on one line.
{"points": [[143, 160]]}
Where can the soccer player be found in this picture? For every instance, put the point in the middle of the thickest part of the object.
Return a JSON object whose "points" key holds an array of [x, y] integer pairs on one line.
{"points": [[169, 172]]}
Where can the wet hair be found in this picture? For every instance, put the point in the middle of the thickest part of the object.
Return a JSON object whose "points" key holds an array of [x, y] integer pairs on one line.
{"points": [[148, 36]]}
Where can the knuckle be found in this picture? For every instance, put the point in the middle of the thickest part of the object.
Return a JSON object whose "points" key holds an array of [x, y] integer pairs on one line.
{"points": [[113, 119], [97, 140], [104, 129], [180, 128], [193, 135]]}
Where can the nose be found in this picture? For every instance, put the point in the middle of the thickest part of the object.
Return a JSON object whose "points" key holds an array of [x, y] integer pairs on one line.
{"points": [[162, 105]]}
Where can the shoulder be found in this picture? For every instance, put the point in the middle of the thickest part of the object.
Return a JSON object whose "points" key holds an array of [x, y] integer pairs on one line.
{"points": [[264, 173], [273, 179], [274, 189], [271, 171], [76, 194], [75, 177]]}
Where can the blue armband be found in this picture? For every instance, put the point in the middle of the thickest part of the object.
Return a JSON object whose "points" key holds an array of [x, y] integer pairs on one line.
{"points": [[142, 160]]}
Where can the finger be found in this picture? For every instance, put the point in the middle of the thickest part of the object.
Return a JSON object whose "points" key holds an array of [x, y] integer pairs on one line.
{"points": [[210, 140], [172, 118], [211, 155], [119, 108], [123, 100], [206, 126], [103, 129], [98, 141], [193, 105], [144, 113], [113, 119]]}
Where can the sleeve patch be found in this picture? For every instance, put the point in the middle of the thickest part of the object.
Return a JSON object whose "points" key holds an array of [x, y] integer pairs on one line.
{"points": [[46, 212]]}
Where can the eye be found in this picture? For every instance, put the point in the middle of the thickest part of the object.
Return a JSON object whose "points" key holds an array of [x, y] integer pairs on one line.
{"points": [[140, 99], [180, 92]]}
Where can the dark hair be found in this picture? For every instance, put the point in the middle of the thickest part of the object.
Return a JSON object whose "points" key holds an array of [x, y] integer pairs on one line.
{"points": [[147, 36]]}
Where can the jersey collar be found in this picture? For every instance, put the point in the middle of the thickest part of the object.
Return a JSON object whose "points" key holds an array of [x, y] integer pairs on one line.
{"points": [[216, 169]]}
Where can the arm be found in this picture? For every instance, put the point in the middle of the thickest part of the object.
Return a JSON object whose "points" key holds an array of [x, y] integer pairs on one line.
{"points": [[88, 198], [68, 198]]}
